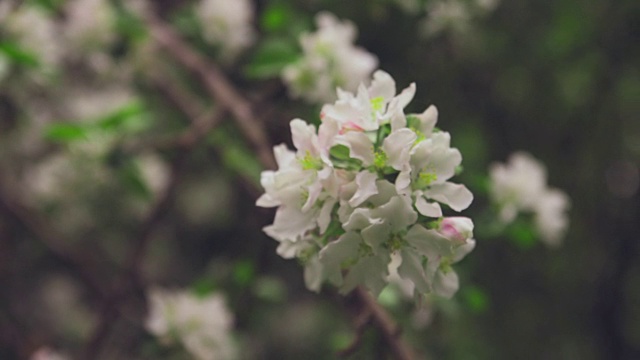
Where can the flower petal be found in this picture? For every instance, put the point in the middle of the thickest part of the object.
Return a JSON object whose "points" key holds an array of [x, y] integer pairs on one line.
{"points": [[457, 196]]}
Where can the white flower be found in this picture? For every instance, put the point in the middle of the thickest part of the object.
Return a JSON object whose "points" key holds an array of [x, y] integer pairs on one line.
{"points": [[330, 61], [45, 353], [341, 212], [455, 15], [202, 325], [445, 14], [517, 185], [89, 24], [521, 186], [227, 23], [550, 216]]}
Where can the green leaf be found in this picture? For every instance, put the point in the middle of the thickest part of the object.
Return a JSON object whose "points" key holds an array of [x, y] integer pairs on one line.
{"points": [[128, 116], [276, 17], [65, 132], [522, 234], [340, 157], [270, 289], [14, 53], [339, 152], [271, 57], [244, 272], [235, 155], [476, 299], [130, 175], [203, 287]]}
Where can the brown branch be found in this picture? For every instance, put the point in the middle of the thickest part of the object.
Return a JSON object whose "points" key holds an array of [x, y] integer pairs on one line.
{"points": [[387, 326], [42, 231], [222, 90], [217, 86], [132, 266], [360, 322]]}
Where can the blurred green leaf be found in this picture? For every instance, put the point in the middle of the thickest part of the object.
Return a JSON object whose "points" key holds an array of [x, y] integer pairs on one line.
{"points": [[131, 177], [276, 17], [271, 57], [20, 56], [270, 289], [203, 286], [476, 299], [128, 116], [521, 232], [244, 272], [235, 155], [65, 132]]}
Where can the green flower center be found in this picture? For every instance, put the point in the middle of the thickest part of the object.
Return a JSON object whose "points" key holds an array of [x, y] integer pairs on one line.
{"points": [[310, 162]]}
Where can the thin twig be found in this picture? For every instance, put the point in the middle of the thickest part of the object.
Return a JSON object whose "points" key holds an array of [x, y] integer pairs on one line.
{"points": [[227, 96], [360, 322], [132, 266], [387, 326], [216, 84], [42, 231]]}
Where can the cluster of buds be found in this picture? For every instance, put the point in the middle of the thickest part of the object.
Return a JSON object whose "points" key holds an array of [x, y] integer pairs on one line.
{"points": [[366, 186]]}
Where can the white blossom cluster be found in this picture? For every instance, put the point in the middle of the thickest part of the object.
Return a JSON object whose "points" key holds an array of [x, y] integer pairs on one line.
{"points": [[228, 24], [330, 60], [88, 28], [201, 324], [521, 186], [367, 185], [455, 15], [45, 353]]}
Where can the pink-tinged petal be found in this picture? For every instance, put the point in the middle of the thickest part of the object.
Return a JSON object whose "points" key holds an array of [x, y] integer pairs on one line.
{"points": [[457, 229]]}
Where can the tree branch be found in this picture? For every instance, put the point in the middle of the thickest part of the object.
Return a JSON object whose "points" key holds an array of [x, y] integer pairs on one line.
{"points": [[216, 84], [132, 267], [226, 95], [28, 218]]}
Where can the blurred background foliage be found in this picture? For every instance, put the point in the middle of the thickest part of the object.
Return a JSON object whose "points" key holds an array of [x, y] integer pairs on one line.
{"points": [[559, 79]]}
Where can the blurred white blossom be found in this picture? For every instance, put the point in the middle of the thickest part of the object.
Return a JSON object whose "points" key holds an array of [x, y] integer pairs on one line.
{"points": [[46, 353], [455, 15], [520, 185], [89, 24], [202, 325], [365, 187], [227, 23], [330, 61]]}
